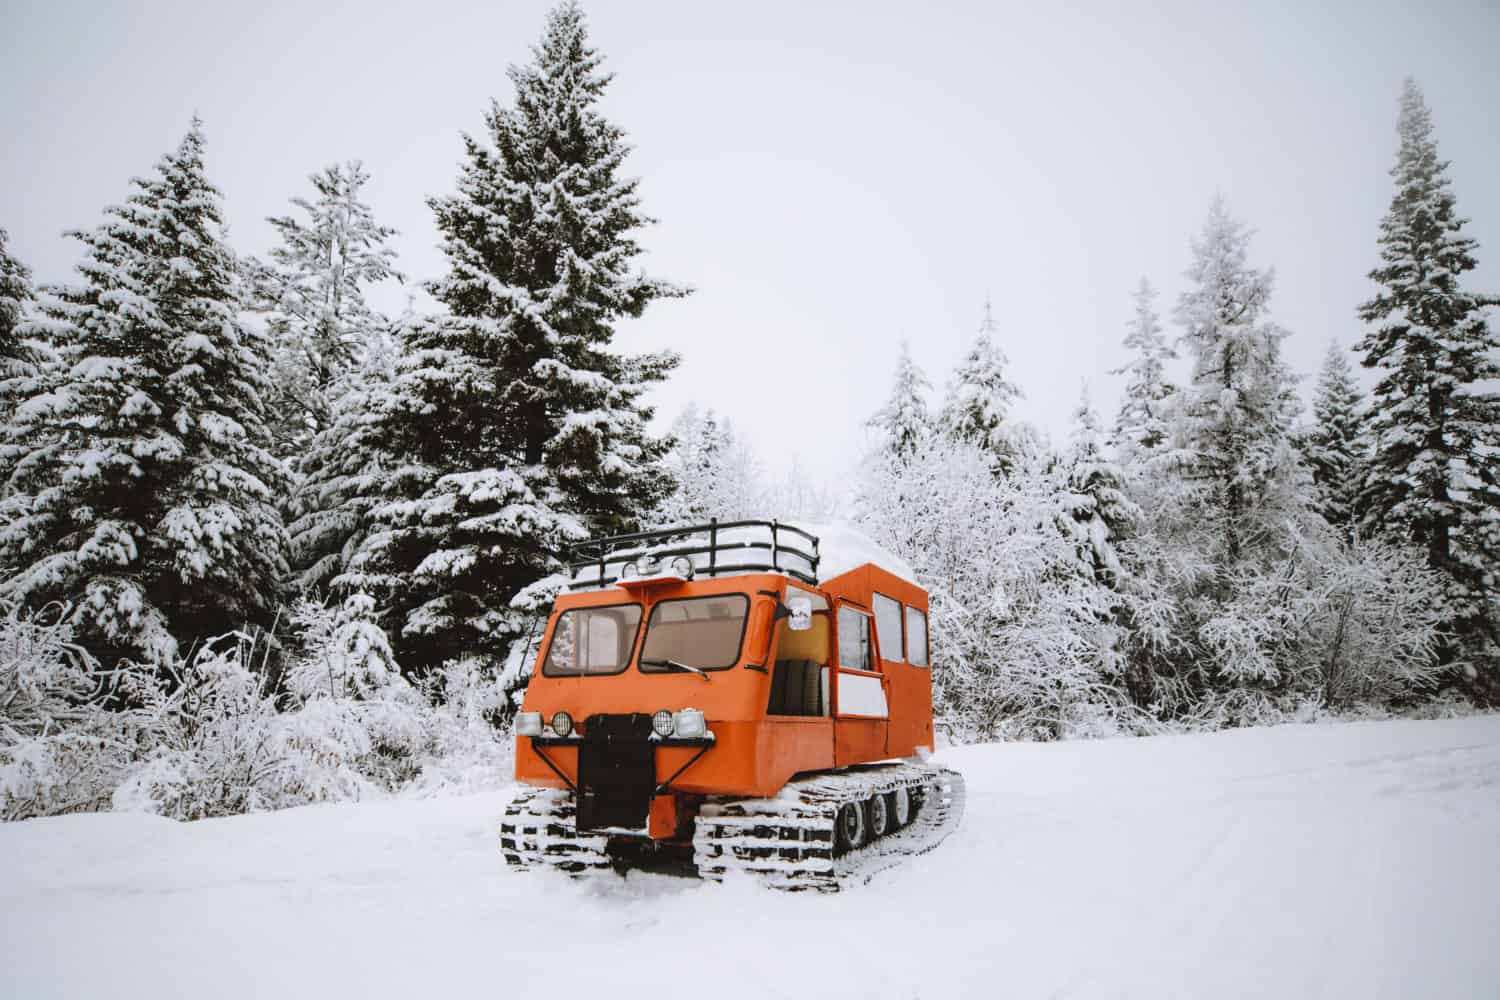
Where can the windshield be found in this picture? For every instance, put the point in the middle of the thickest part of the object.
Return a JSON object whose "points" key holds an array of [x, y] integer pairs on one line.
{"points": [[702, 632], [592, 641]]}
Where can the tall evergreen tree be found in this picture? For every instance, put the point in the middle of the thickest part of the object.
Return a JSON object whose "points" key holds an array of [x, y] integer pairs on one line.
{"points": [[147, 495], [715, 473], [23, 356], [1334, 448], [1435, 423], [1141, 426], [521, 426], [16, 297], [1235, 416], [977, 405], [314, 294], [904, 419], [1096, 500], [343, 474]]}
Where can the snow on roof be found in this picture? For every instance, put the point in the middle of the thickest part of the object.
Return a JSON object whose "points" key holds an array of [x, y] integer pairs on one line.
{"points": [[842, 547]]}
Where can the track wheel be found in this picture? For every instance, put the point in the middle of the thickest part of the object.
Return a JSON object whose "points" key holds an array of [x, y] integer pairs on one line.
{"points": [[880, 816], [852, 828], [900, 806]]}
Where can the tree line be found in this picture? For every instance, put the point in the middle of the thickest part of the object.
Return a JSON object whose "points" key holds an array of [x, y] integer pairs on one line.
{"points": [[197, 450]]}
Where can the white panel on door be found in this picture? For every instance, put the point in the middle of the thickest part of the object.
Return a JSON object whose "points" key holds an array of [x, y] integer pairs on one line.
{"points": [[860, 695]]}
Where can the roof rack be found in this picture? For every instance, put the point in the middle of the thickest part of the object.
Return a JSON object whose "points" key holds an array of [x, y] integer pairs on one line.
{"points": [[718, 548]]}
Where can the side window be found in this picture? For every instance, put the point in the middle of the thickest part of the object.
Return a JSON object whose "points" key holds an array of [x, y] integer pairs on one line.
{"points": [[888, 627], [916, 637], [854, 640]]}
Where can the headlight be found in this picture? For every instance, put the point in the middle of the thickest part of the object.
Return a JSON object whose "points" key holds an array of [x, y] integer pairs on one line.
{"points": [[528, 723], [629, 570], [688, 724], [683, 567], [662, 723], [562, 724]]}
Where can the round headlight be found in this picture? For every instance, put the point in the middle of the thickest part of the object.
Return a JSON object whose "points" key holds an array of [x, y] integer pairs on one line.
{"points": [[629, 570], [662, 723], [562, 724], [683, 567]]}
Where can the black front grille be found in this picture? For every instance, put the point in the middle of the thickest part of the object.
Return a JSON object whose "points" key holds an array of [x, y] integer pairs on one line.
{"points": [[616, 771]]}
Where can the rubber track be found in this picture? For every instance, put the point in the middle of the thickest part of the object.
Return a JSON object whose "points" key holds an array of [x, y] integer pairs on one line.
{"points": [[538, 831], [785, 843], [788, 842]]}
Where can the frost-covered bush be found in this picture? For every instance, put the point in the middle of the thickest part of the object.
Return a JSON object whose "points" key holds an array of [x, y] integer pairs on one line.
{"points": [[1304, 617], [1369, 624], [222, 746], [61, 748], [467, 730], [1022, 637]]}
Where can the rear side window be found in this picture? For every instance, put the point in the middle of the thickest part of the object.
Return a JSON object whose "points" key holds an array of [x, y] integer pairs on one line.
{"points": [[888, 627], [916, 637], [854, 640], [592, 641]]}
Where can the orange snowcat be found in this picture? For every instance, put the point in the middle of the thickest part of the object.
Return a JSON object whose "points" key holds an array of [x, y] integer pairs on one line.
{"points": [[704, 695]]}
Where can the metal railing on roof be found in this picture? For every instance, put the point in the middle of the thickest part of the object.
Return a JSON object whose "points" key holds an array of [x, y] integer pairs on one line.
{"points": [[718, 548]]}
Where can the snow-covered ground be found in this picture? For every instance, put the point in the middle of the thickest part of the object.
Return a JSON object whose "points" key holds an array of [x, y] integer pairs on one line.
{"points": [[1337, 861]]}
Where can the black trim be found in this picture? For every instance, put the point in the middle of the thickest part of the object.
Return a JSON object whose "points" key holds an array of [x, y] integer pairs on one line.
{"points": [[739, 646], [630, 651], [757, 667], [573, 741], [596, 553]]}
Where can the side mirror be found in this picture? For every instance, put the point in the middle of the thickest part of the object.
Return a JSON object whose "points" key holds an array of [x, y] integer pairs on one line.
{"points": [[802, 611]]}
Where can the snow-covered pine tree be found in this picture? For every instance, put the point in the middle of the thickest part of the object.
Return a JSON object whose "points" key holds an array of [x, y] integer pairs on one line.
{"points": [[715, 473], [16, 297], [23, 356], [904, 420], [1141, 426], [148, 495], [1234, 418], [1435, 423], [520, 426], [343, 473], [979, 396], [1095, 500], [1334, 447], [313, 293]]}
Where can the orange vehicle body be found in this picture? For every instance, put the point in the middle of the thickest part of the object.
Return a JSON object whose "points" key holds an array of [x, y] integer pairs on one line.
{"points": [[872, 703]]}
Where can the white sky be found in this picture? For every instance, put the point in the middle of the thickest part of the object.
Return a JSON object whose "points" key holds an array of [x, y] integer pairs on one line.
{"points": [[830, 179]]}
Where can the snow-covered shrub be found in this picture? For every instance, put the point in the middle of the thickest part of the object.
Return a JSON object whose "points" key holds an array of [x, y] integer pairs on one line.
{"points": [[468, 746], [1369, 624], [222, 746], [1022, 640], [61, 747]]}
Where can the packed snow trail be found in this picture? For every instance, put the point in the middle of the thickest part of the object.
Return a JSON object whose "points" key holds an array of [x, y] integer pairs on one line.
{"points": [[1320, 861]]}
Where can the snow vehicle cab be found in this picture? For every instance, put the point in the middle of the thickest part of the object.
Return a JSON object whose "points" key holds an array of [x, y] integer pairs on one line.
{"points": [[703, 692]]}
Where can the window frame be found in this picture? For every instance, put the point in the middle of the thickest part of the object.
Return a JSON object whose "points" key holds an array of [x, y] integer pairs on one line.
{"points": [[926, 663], [875, 600], [739, 648], [871, 665], [630, 650]]}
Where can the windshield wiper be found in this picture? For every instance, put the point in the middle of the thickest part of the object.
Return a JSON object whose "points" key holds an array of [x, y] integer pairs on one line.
{"points": [[659, 662]]}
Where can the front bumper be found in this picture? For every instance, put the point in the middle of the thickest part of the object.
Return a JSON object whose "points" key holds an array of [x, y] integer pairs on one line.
{"points": [[617, 775]]}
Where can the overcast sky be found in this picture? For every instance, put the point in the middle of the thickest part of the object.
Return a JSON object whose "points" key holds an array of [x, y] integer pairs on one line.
{"points": [[830, 179]]}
